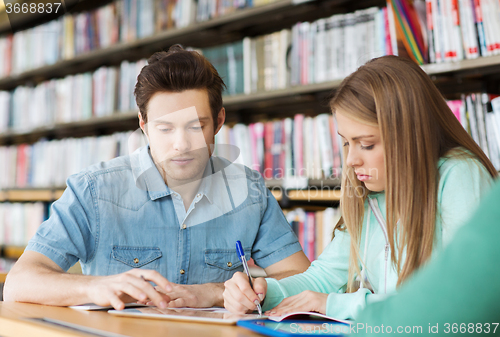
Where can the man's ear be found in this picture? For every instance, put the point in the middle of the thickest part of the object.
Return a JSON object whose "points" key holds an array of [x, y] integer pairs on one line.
{"points": [[142, 124], [221, 118]]}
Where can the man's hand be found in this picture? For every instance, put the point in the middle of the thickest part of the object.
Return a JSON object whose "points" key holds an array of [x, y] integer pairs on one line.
{"points": [[239, 297], [131, 286], [192, 295]]}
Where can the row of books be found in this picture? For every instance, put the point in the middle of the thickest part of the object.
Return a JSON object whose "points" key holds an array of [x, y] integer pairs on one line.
{"points": [[316, 52], [49, 163], [77, 97], [298, 147], [311, 52], [119, 21], [293, 147], [313, 229], [210, 9], [479, 114], [19, 222], [462, 29]]}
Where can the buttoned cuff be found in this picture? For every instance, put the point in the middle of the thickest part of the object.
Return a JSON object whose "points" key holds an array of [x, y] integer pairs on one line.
{"points": [[278, 255]]}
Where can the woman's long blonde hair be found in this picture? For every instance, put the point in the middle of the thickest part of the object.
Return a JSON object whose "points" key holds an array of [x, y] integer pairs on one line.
{"points": [[417, 128]]}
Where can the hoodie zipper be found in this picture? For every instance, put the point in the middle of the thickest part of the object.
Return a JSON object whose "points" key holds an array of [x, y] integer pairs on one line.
{"points": [[380, 219]]}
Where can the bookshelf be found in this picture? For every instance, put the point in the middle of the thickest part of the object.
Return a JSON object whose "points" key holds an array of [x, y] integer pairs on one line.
{"points": [[23, 195], [305, 95], [48, 195], [11, 252], [233, 26]]}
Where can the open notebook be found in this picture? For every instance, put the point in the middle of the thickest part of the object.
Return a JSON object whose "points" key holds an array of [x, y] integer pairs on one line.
{"points": [[305, 315]]}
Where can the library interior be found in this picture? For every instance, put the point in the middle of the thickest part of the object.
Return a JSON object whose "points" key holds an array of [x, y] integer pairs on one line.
{"points": [[68, 70]]}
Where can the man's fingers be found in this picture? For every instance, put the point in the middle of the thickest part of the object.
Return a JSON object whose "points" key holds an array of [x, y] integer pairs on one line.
{"points": [[177, 303], [115, 302], [133, 291], [148, 291], [157, 278]]}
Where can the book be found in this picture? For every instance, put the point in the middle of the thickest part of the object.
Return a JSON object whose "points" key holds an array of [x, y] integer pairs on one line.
{"points": [[304, 315]]}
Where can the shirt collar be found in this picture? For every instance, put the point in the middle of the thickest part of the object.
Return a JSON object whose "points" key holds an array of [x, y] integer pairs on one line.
{"points": [[148, 178], [207, 181]]}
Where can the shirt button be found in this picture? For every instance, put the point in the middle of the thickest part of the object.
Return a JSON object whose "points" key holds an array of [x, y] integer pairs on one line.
{"points": [[229, 264], [198, 195], [184, 226], [136, 260], [182, 271]]}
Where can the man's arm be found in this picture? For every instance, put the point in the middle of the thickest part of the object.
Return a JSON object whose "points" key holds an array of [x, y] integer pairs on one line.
{"points": [[37, 279], [294, 264]]}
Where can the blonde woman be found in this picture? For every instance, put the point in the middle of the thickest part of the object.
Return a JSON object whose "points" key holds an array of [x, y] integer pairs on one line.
{"points": [[412, 177]]}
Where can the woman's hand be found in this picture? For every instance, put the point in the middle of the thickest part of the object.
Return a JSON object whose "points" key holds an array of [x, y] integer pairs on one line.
{"points": [[305, 301], [239, 297]]}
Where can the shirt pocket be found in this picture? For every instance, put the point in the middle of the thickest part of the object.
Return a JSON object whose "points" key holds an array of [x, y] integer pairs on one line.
{"points": [[125, 257], [221, 264]]}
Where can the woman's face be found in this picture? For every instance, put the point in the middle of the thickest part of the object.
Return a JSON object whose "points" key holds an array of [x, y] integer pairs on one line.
{"points": [[365, 151]]}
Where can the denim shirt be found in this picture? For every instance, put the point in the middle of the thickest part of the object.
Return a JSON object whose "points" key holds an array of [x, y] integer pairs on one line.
{"points": [[120, 214]]}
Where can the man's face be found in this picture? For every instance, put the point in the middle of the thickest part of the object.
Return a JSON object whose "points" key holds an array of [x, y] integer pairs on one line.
{"points": [[180, 130]]}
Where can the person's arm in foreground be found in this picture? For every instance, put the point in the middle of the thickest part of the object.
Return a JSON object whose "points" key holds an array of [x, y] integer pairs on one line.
{"points": [[458, 292], [37, 279]]}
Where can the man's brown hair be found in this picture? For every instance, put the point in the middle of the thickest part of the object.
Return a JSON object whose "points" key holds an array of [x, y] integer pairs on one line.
{"points": [[175, 71]]}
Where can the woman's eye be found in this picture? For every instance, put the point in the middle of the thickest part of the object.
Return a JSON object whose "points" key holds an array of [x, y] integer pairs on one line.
{"points": [[367, 147]]}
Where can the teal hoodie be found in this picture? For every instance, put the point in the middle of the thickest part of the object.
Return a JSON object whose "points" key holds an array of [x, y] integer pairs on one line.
{"points": [[462, 183], [456, 293]]}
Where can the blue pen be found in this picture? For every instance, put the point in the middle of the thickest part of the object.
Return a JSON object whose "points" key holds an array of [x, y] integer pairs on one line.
{"points": [[241, 256]]}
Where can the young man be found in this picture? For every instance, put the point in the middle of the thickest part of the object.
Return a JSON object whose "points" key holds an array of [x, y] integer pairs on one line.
{"points": [[169, 213]]}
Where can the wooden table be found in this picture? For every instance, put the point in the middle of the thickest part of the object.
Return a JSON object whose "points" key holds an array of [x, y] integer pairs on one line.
{"points": [[13, 323]]}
